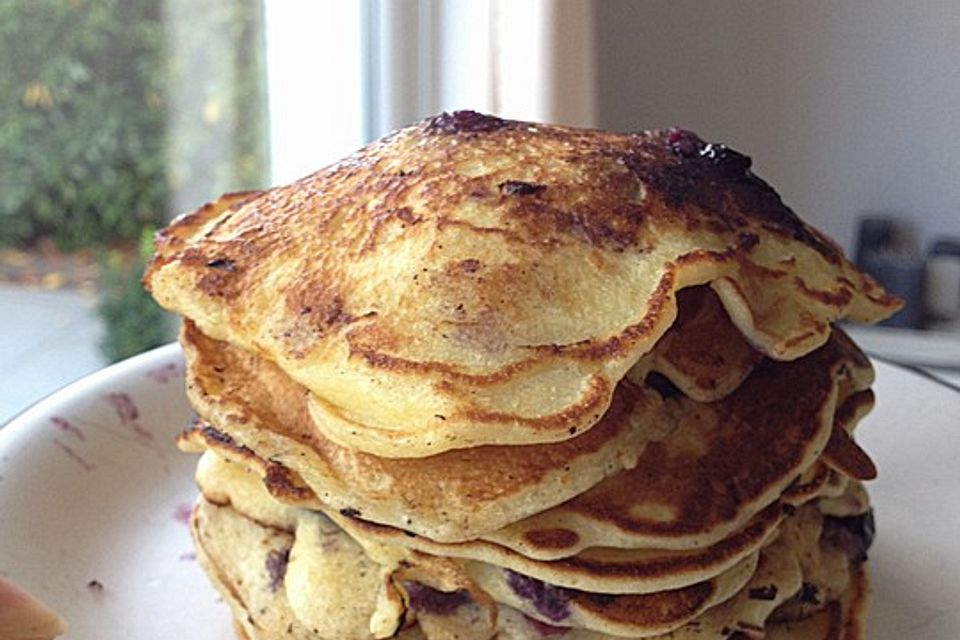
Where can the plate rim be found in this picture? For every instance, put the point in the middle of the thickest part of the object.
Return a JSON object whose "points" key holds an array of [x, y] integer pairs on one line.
{"points": [[93, 379]]}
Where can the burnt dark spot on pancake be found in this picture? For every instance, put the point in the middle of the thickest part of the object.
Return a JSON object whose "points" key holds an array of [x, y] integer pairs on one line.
{"points": [[662, 385], [551, 602], [429, 600], [558, 538], [218, 276], [662, 607], [809, 593], [214, 435], [224, 264], [768, 592], [465, 122], [686, 171], [852, 535], [520, 188], [728, 160], [350, 512], [276, 565]]}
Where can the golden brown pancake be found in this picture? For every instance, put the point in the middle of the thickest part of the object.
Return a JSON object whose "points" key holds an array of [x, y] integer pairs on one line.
{"points": [[336, 565], [787, 570], [453, 495], [703, 353], [724, 462], [254, 402], [597, 569], [471, 280], [733, 438]]}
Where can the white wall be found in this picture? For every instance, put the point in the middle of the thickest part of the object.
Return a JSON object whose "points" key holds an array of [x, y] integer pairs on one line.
{"points": [[845, 106]]}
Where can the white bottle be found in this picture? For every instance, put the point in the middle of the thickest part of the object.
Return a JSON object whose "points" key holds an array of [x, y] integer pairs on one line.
{"points": [[942, 286]]}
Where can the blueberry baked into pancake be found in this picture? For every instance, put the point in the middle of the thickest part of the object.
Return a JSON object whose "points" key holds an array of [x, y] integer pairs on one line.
{"points": [[495, 379]]}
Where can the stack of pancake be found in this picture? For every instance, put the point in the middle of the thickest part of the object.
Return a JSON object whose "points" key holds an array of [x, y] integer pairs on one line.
{"points": [[487, 378]]}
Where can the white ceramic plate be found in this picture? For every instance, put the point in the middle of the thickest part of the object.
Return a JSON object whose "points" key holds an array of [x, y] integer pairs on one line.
{"points": [[93, 489]]}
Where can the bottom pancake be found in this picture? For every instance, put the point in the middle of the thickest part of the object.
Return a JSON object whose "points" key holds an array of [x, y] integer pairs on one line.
{"points": [[290, 570], [243, 558]]}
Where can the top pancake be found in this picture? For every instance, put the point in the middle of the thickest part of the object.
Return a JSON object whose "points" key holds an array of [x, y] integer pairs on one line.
{"points": [[470, 280]]}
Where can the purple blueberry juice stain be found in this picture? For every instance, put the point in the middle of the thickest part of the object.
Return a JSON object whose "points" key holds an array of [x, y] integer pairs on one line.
{"points": [[164, 373], [187, 556], [182, 513], [429, 600], [125, 407], [550, 601], [276, 566], [67, 427], [128, 413], [73, 455]]}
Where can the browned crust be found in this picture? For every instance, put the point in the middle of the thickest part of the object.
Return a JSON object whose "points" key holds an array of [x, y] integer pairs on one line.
{"points": [[281, 482], [715, 191], [605, 194], [476, 472], [725, 552], [649, 609], [842, 452], [730, 548], [721, 483]]}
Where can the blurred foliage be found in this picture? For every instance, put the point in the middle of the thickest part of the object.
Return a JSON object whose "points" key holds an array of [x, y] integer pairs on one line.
{"points": [[132, 321], [109, 113]]}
